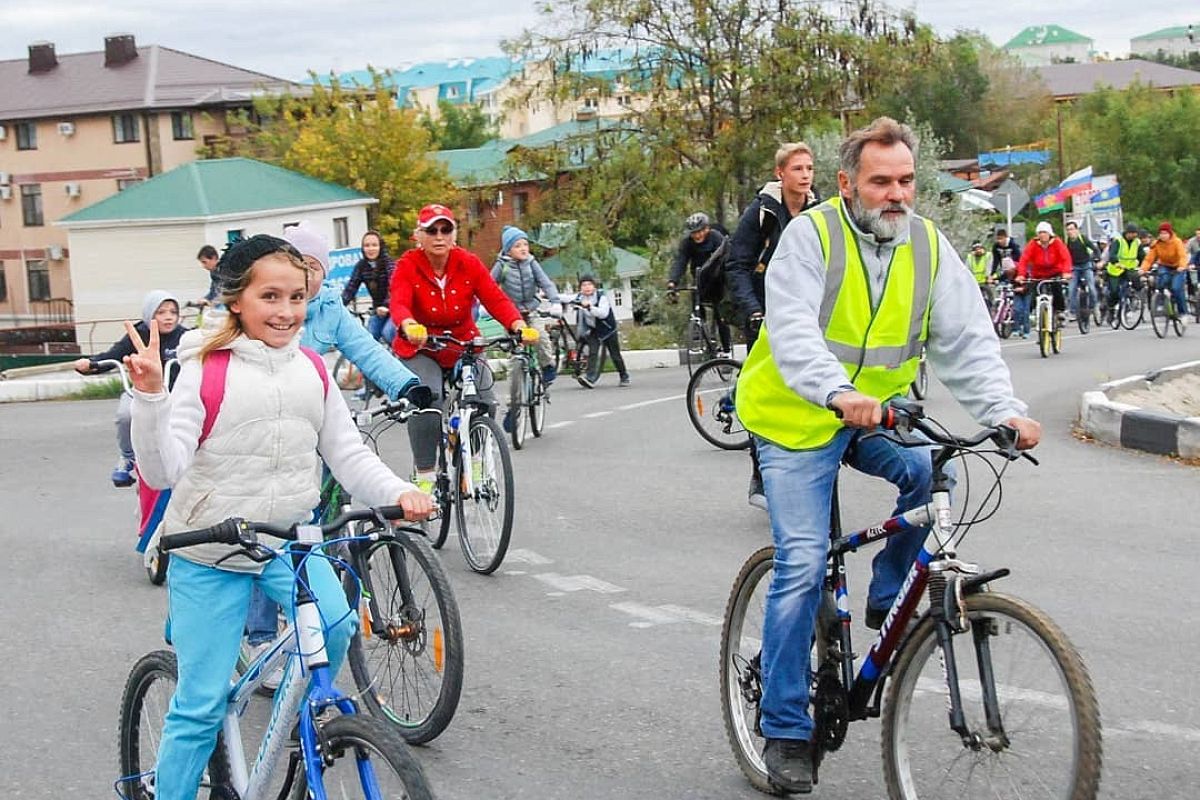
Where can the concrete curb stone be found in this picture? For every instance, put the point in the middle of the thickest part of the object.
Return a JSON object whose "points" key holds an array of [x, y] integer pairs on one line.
{"points": [[1125, 425]]}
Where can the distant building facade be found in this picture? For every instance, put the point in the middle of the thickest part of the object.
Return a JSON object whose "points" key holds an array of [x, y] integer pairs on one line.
{"points": [[1039, 45], [1177, 41]]}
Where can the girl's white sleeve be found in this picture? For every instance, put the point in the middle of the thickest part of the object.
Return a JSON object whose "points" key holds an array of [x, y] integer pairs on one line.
{"points": [[166, 428], [355, 465]]}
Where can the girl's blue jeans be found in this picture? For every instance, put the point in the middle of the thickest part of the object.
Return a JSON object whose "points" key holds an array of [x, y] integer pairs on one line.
{"points": [[799, 489], [207, 609]]}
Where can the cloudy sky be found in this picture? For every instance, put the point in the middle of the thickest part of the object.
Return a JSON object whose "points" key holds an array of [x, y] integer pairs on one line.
{"points": [[287, 39]]}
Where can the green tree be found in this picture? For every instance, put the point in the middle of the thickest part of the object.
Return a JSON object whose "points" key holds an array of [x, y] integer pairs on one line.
{"points": [[1146, 137], [720, 82], [458, 127], [355, 137]]}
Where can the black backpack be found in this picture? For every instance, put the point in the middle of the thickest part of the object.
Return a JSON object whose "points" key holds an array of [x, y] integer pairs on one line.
{"points": [[710, 277]]}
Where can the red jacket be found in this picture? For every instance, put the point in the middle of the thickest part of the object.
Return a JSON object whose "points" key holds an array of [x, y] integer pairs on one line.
{"points": [[415, 294], [1040, 263]]}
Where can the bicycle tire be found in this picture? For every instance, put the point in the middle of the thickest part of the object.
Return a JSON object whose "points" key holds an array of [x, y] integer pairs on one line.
{"points": [[346, 374], [144, 705], [445, 493], [518, 401], [1056, 334], [537, 408], [1158, 314], [710, 408], [1043, 331], [1133, 310], [420, 648], [1083, 314], [483, 537], [913, 699], [1177, 322], [740, 647], [397, 773]]}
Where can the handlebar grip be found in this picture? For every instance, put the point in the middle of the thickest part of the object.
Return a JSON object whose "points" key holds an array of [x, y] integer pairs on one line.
{"points": [[391, 512], [226, 532]]}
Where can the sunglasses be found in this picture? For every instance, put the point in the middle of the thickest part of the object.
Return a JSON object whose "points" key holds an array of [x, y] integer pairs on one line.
{"points": [[439, 230]]}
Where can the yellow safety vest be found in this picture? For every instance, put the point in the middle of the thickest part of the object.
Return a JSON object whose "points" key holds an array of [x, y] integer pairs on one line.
{"points": [[1126, 257], [879, 346], [979, 266]]}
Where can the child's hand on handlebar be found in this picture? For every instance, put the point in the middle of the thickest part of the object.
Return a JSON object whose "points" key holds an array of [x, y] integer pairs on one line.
{"points": [[417, 505], [82, 365]]}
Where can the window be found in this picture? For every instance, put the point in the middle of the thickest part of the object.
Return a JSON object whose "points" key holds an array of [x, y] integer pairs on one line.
{"points": [[125, 128], [38, 271], [520, 205], [618, 297], [125, 183], [31, 204], [235, 235], [341, 232], [3, 284], [452, 92], [473, 209], [624, 100], [27, 136], [591, 102], [287, 225], [181, 125]]}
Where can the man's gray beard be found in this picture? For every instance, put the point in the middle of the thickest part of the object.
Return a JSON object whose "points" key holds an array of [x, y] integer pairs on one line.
{"points": [[873, 222]]}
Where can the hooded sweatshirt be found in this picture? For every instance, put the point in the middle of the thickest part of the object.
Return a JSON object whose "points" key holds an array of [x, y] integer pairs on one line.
{"points": [[521, 280], [962, 346], [260, 460], [167, 343]]}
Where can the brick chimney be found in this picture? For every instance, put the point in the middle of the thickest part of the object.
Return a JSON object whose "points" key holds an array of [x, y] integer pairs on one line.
{"points": [[119, 49], [41, 57]]}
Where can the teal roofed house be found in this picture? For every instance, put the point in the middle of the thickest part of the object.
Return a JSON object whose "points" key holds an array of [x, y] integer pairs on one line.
{"points": [[147, 236], [1038, 45], [1178, 40]]}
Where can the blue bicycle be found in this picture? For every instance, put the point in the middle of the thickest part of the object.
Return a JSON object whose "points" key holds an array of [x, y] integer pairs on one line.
{"points": [[331, 750], [985, 695]]}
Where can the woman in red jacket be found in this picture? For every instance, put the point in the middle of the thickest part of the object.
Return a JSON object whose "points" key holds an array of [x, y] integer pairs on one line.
{"points": [[433, 290], [1044, 258]]}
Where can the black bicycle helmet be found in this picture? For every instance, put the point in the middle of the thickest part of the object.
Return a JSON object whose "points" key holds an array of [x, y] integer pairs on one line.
{"points": [[696, 222]]}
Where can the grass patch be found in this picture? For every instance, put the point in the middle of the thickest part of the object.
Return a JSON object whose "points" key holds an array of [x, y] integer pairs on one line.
{"points": [[649, 337], [97, 390]]}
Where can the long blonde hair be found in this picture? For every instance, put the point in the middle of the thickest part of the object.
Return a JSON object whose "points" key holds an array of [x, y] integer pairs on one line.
{"points": [[232, 327]]}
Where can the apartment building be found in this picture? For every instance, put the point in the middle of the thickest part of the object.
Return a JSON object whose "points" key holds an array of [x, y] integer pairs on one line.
{"points": [[80, 127]]}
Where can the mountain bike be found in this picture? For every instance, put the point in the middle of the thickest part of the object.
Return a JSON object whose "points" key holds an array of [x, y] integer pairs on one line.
{"points": [[528, 396], [1047, 320], [982, 695], [351, 755], [701, 340], [710, 404], [474, 469], [1131, 302], [151, 503], [1002, 310], [570, 356], [1085, 303], [1161, 301]]}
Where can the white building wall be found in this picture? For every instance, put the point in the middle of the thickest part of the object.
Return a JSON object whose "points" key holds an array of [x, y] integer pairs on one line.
{"points": [[1041, 55], [1172, 46]]}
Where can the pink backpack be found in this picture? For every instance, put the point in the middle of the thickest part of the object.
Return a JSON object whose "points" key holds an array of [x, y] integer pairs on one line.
{"points": [[212, 383]]}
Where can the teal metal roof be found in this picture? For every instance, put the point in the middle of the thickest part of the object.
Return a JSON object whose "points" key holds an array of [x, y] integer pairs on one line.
{"points": [[1176, 32], [216, 187], [629, 265], [472, 77], [1037, 35]]}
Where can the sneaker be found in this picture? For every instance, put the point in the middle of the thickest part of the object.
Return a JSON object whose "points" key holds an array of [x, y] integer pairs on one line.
{"points": [[757, 497], [724, 354], [507, 423], [624, 381], [586, 382], [549, 373], [122, 474], [270, 682], [789, 764], [423, 481], [874, 617]]}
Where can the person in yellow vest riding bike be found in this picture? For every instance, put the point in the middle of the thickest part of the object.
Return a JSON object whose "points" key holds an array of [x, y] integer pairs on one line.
{"points": [[1122, 266], [980, 264], [857, 286]]}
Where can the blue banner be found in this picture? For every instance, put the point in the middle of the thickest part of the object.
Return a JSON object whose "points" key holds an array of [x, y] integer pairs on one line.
{"points": [[1009, 158], [341, 265]]}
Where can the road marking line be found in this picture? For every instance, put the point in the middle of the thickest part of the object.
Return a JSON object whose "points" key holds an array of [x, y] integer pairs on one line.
{"points": [[656, 401], [562, 424], [649, 616], [1162, 729], [691, 615], [575, 583], [524, 556], [595, 414]]}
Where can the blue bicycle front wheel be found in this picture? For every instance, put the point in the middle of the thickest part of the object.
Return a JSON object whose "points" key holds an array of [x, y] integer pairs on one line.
{"points": [[363, 748]]}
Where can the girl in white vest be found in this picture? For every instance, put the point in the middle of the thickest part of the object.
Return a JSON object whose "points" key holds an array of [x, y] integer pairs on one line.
{"points": [[259, 461]]}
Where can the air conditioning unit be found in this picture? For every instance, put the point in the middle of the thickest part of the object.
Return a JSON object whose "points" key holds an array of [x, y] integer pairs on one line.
{"points": [[56, 252], [5, 179], [66, 128], [3, 133], [5, 193], [72, 189]]}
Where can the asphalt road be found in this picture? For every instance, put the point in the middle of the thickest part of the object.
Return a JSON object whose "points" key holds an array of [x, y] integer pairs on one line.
{"points": [[592, 653]]}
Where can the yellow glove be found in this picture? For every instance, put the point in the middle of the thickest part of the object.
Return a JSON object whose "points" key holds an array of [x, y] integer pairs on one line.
{"points": [[415, 330], [529, 335]]}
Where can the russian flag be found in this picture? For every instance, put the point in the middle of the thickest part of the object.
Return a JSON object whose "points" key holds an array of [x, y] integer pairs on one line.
{"points": [[1079, 182]]}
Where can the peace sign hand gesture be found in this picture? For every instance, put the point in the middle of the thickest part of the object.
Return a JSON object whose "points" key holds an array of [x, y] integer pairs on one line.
{"points": [[145, 365]]}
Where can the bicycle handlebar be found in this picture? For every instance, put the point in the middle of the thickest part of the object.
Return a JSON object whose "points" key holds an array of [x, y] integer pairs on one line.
{"points": [[479, 343], [903, 416], [237, 531]]}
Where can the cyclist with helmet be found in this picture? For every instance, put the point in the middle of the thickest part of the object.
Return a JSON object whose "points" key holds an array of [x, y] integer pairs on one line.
{"points": [[434, 288], [699, 245], [1044, 258]]}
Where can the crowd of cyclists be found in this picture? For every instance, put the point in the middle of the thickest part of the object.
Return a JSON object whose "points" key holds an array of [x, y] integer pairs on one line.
{"points": [[276, 305]]}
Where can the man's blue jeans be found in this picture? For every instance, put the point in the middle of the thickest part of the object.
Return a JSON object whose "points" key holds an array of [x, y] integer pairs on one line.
{"points": [[799, 489], [1176, 282], [1022, 305], [1078, 274], [381, 328]]}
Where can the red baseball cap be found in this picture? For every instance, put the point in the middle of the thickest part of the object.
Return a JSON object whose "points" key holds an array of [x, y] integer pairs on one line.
{"points": [[432, 213]]}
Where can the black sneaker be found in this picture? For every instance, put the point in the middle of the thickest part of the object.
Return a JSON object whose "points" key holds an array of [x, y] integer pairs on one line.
{"points": [[789, 764], [874, 617], [586, 382], [756, 496]]}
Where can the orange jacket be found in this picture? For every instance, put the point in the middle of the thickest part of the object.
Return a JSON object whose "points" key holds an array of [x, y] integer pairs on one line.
{"points": [[1170, 253]]}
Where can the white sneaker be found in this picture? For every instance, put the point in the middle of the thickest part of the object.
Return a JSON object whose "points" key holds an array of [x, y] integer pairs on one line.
{"points": [[270, 682]]}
